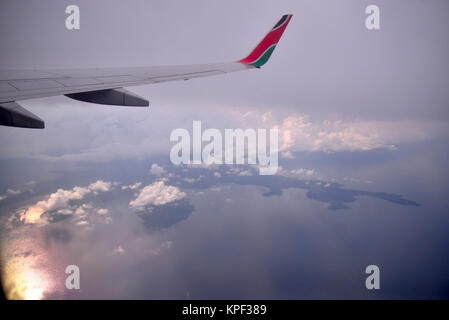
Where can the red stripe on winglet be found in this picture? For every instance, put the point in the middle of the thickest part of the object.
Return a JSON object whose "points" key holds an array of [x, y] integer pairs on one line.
{"points": [[271, 38]]}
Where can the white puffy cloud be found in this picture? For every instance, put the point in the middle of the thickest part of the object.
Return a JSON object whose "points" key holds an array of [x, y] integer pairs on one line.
{"points": [[103, 211], [156, 194], [100, 185], [61, 198], [157, 170], [59, 203]]}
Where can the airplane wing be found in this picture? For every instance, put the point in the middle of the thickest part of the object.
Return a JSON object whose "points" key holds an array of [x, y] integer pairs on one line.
{"points": [[105, 85]]}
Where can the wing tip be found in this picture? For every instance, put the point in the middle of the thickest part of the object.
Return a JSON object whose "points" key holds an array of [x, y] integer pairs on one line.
{"points": [[263, 51]]}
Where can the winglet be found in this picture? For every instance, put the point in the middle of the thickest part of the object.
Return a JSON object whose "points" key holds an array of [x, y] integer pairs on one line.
{"points": [[260, 55]]}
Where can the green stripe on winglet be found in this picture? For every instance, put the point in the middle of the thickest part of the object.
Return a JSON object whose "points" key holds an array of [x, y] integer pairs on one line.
{"points": [[264, 58]]}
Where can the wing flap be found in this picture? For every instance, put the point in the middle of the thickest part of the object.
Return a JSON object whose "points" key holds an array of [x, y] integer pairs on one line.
{"points": [[14, 115], [114, 97]]}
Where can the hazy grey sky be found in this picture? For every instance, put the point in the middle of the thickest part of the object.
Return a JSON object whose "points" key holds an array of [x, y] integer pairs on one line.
{"points": [[326, 63]]}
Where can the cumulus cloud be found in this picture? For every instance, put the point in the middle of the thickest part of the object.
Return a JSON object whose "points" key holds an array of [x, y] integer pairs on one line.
{"points": [[297, 132], [103, 211], [61, 198], [31, 215], [157, 170], [59, 203], [101, 186], [156, 194]]}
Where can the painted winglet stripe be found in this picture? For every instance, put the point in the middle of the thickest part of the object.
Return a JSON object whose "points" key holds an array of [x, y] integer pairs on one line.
{"points": [[260, 55], [280, 22], [264, 57]]}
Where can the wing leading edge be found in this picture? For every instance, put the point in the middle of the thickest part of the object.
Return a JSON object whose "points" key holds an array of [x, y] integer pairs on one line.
{"points": [[105, 86]]}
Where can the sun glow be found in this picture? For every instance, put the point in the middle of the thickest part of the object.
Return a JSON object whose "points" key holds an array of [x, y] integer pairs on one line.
{"points": [[26, 274], [31, 214], [25, 282]]}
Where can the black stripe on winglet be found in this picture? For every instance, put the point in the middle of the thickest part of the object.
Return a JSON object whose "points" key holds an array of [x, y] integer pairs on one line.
{"points": [[280, 22]]}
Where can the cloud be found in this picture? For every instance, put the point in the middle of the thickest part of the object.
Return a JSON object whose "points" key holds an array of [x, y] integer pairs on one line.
{"points": [[297, 132], [156, 194], [240, 170], [109, 135], [157, 170], [103, 211], [245, 173], [100, 185], [31, 215], [13, 192], [59, 203], [132, 186], [118, 250], [61, 198], [10, 192], [303, 172], [164, 246], [190, 180]]}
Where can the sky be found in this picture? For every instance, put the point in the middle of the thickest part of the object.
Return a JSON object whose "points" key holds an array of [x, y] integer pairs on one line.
{"points": [[363, 150]]}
